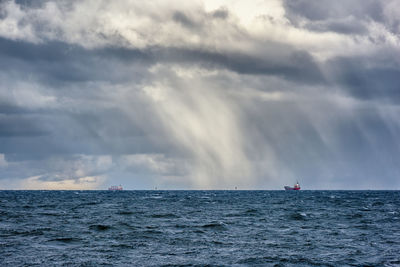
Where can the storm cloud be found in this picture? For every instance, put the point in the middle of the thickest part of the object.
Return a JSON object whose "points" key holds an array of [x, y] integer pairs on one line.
{"points": [[199, 94]]}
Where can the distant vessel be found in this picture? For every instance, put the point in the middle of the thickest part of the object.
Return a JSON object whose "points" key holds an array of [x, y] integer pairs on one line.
{"points": [[115, 188], [295, 187]]}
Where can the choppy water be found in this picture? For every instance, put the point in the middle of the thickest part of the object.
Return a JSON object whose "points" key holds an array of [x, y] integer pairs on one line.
{"points": [[221, 228]]}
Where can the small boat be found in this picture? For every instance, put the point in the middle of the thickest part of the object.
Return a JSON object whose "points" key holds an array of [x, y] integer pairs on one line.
{"points": [[115, 188], [295, 187]]}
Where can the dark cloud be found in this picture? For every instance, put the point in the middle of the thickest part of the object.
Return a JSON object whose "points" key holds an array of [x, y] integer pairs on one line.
{"points": [[11, 108], [291, 64], [358, 146], [102, 132], [341, 17], [63, 105], [182, 19], [363, 78], [32, 4], [325, 9], [220, 13], [295, 65], [344, 27], [60, 62], [17, 125], [57, 62]]}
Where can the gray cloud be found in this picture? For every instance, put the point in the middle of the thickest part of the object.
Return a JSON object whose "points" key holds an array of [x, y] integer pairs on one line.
{"points": [[184, 20], [196, 98], [81, 65], [343, 17], [220, 13], [365, 78], [58, 62], [351, 26], [16, 125], [323, 10], [290, 64]]}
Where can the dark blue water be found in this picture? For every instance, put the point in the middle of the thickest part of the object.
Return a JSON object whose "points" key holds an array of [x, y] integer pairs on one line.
{"points": [[221, 228]]}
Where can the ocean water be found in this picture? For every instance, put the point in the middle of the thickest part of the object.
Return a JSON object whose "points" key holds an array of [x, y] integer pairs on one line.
{"points": [[200, 228]]}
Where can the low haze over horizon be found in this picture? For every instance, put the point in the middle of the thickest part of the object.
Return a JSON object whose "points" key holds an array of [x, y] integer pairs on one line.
{"points": [[208, 94]]}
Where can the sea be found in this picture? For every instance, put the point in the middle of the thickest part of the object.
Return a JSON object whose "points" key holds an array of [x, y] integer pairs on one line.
{"points": [[200, 228]]}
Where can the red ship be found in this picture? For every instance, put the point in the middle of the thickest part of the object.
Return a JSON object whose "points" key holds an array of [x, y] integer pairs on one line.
{"points": [[295, 187]]}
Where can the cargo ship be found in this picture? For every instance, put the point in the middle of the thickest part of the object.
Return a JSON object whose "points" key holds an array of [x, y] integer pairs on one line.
{"points": [[115, 188], [295, 187]]}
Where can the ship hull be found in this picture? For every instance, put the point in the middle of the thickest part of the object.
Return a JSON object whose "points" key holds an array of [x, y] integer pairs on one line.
{"points": [[292, 188], [115, 188]]}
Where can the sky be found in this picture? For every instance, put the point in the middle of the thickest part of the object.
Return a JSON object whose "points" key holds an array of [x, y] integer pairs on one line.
{"points": [[210, 94]]}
